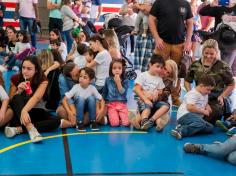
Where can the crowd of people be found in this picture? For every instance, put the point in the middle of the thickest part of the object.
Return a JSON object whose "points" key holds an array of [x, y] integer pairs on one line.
{"points": [[82, 75]]}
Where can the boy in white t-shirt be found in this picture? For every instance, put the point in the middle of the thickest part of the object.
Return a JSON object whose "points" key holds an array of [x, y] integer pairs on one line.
{"points": [[193, 108], [85, 96], [148, 86]]}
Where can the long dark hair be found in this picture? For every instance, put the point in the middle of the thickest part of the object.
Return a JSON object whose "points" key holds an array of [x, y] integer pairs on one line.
{"points": [[122, 62], [102, 40], [25, 36], [57, 56], [57, 32], [38, 76]]}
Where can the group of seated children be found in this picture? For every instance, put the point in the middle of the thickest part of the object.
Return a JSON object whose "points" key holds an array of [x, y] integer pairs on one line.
{"points": [[99, 89]]}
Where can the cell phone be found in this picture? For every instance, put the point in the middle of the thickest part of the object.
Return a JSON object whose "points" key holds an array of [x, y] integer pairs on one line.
{"points": [[223, 2]]}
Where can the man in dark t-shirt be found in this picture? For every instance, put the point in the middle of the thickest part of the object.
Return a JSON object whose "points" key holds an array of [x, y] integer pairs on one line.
{"points": [[2, 10], [171, 24]]}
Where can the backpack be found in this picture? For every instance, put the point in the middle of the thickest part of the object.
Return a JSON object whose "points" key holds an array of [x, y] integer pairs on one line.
{"points": [[227, 34]]}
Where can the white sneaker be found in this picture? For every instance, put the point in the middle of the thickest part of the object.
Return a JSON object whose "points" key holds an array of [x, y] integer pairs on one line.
{"points": [[10, 131], [34, 135], [105, 120]]}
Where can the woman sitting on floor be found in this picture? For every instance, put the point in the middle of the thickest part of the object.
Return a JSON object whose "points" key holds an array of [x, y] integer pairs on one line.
{"points": [[211, 64], [169, 76], [26, 93]]}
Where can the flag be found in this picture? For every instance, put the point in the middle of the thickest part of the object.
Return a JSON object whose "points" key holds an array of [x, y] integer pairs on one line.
{"points": [[108, 6]]}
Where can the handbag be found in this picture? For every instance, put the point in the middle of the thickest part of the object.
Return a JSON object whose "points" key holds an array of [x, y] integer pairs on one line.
{"points": [[36, 28], [184, 65]]}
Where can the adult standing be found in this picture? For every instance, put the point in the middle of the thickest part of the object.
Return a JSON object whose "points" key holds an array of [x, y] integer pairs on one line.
{"points": [[144, 45], [206, 21], [171, 24], [27, 11], [96, 10], [68, 18], [55, 18]]}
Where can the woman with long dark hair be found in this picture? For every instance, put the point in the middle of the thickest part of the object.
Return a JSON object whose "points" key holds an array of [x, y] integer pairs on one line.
{"points": [[26, 93]]}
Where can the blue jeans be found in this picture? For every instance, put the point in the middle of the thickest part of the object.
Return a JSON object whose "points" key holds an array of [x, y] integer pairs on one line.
{"points": [[191, 124], [28, 23], [226, 150], [83, 105], [156, 105], [65, 85], [69, 39]]}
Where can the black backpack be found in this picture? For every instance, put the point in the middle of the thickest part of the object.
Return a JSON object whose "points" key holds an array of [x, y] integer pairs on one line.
{"points": [[227, 34], [52, 94]]}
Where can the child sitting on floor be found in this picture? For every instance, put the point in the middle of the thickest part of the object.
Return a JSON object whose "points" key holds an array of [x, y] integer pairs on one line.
{"points": [[85, 96], [193, 108], [148, 87]]}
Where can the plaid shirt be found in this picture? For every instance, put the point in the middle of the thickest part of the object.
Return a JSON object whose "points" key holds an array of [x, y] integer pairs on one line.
{"points": [[143, 51]]}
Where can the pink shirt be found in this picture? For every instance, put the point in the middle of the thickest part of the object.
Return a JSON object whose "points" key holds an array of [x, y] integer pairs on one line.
{"points": [[205, 20], [26, 8]]}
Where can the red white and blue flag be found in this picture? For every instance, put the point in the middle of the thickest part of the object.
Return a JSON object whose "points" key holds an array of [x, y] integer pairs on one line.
{"points": [[109, 6]]}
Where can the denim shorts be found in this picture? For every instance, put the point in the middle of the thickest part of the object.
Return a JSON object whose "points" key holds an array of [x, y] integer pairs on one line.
{"points": [[156, 105]]}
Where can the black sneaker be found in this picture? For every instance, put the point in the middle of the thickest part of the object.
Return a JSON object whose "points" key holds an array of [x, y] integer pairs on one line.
{"points": [[147, 125], [80, 127], [94, 126], [192, 148]]}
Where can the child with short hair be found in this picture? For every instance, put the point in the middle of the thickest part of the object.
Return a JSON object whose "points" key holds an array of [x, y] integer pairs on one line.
{"points": [[193, 108], [148, 87], [80, 60], [90, 55], [115, 92], [85, 96]]}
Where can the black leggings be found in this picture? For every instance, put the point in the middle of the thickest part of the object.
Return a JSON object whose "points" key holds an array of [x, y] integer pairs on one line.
{"points": [[40, 118]]}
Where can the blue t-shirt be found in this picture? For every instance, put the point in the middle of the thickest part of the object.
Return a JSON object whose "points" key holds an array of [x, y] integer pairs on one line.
{"points": [[96, 2]]}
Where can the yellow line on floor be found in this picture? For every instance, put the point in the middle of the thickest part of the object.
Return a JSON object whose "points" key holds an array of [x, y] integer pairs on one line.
{"points": [[71, 134]]}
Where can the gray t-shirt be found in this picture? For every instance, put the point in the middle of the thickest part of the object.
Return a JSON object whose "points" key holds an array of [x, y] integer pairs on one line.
{"points": [[78, 91], [67, 17]]}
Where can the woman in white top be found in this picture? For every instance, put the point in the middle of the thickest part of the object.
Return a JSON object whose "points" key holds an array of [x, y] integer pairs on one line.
{"points": [[101, 62], [55, 35]]}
